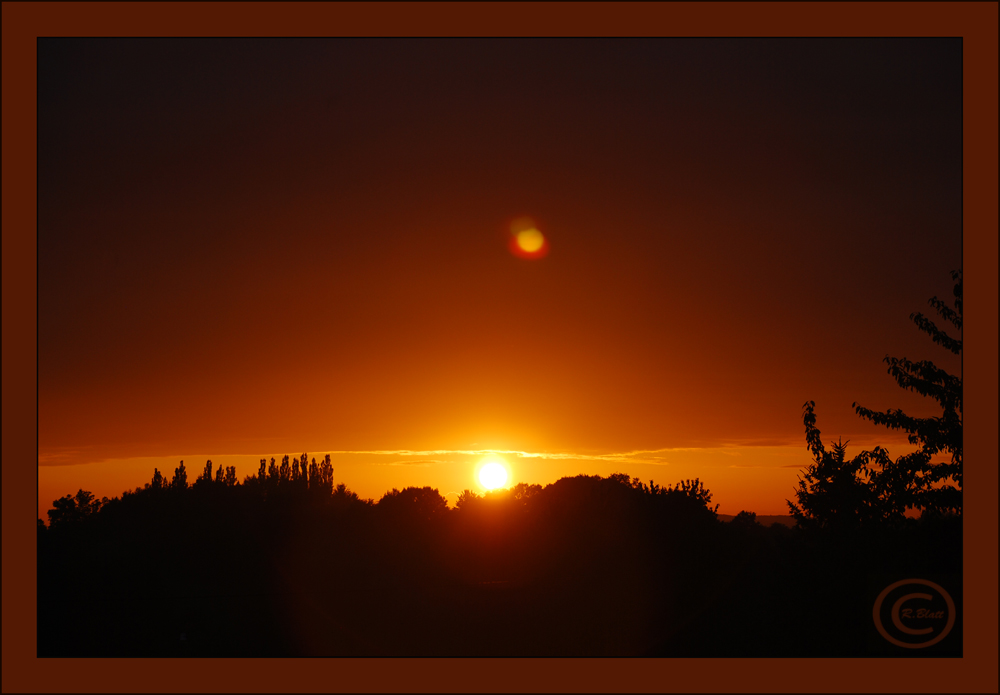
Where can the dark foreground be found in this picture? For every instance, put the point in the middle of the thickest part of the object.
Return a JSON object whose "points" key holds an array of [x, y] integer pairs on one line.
{"points": [[584, 567]]}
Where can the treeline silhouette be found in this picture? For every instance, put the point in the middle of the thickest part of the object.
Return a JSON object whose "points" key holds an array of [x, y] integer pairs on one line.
{"points": [[288, 563]]}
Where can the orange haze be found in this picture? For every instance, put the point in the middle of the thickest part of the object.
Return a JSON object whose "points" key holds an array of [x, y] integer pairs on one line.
{"points": [[249, 248]]}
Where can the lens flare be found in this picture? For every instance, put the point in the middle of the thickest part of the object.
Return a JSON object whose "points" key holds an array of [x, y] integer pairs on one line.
{"points": [[526, 241], [530, 240]]}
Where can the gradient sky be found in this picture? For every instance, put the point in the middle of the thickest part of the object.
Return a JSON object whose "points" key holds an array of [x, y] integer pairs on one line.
{"points": [[255, 247]]}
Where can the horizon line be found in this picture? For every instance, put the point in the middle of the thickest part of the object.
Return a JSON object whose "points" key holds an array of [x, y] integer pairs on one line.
{"points": [[643, 456]]}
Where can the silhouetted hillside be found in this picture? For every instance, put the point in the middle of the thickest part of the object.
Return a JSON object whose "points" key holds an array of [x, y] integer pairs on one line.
{"points": [[765, 519]]}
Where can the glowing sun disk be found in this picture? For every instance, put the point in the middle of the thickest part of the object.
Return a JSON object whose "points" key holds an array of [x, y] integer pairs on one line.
{"points": [[492, 475]]}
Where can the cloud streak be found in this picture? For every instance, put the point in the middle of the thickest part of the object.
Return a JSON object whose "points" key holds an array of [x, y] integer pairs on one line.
{"points": [[428, 462], [638, 456]]}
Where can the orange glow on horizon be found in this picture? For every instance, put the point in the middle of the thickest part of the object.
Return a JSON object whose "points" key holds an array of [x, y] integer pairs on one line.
{"points": [[345, 288], [752, 478]]}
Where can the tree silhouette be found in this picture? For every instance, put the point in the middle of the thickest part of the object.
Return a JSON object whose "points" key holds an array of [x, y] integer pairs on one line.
{"points": [[342, 494], [180, 480], [157, 482], [206, 475], [871, 488], [745, 519], [414, 504], [467, 500], [932, 486], [325, 477], [584, 566], [833, 492], [72, 509], [522, 492]]}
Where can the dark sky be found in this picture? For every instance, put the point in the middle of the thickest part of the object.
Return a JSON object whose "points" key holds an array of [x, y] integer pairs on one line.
{"points": [[262, 245]]}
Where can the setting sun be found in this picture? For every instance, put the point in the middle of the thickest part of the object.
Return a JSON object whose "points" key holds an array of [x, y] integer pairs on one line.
{"points": [[493, 475], [500, 347]]}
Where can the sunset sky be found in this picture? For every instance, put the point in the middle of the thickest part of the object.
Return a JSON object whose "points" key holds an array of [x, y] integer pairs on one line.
{"points": [[249, 248]]}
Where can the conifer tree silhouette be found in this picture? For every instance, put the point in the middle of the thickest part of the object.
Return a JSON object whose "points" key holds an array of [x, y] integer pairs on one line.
{"points": [[833, 492]]}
